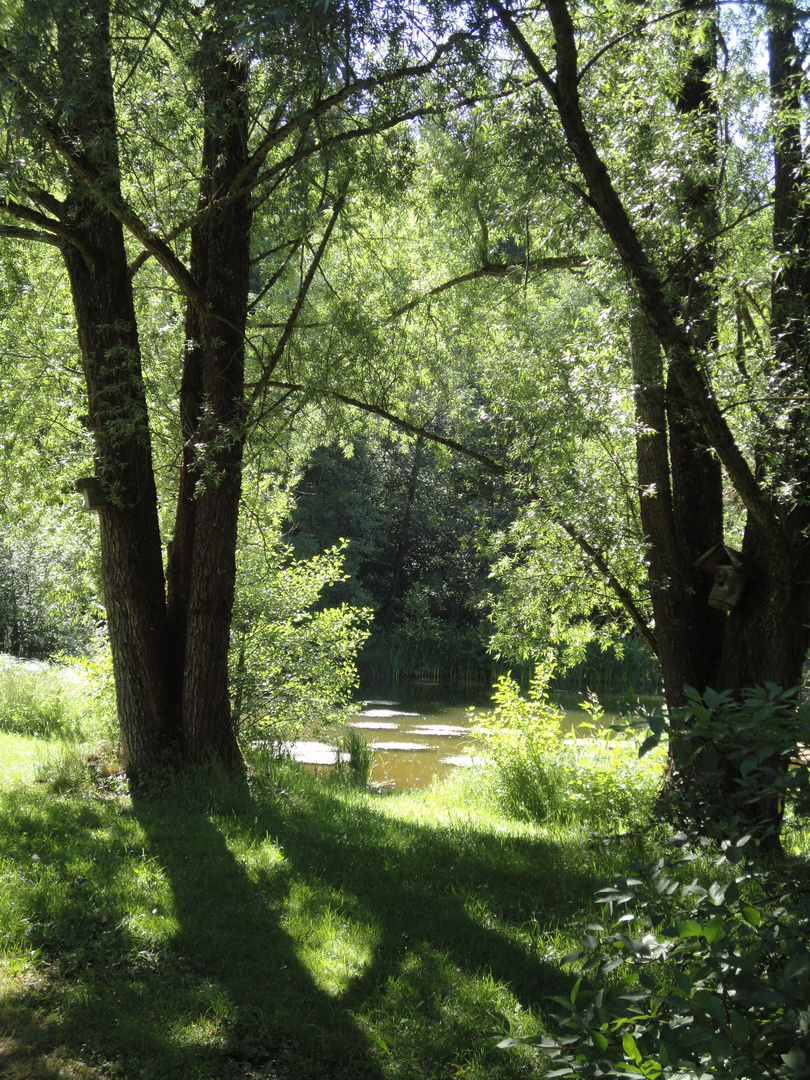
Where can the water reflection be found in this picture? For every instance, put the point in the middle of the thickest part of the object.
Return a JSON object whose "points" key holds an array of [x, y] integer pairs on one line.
{"points": [[413, 748], [420, 733]]}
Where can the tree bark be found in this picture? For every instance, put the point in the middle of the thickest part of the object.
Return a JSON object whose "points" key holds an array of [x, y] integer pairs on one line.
{"points": [[202, 568], [131, 557]]}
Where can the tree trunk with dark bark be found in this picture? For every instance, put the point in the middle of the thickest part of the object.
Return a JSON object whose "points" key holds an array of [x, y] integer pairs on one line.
{"points": [[686, 437], [202, 566], [131, 556]]}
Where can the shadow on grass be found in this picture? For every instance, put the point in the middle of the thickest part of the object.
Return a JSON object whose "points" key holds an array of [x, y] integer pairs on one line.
{"points": [[439, 926]]}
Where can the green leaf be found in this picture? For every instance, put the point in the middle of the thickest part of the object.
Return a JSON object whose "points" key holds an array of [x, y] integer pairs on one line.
{"points": [[684, 983], [575, 991], [749, 765], [713, 930], [712, 698], [667, 1054], [751, 915], [712, 1004], [690, 928], [795, 1059], [630, 1048], [599, 1040], [649, 743]]}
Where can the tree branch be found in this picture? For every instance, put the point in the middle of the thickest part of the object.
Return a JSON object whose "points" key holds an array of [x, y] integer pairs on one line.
{"points": [[622, 594], [281, 344], [16, 232], [685, 364], [54, 231], [116, 205], [490, 270]]}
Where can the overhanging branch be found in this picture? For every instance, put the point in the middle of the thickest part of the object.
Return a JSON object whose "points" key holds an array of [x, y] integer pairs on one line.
{"points": [[621, 593]]}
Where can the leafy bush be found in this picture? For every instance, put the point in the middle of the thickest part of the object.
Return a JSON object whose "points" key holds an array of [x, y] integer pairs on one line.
{"points": [[692, 981], [734, 755], [293, 661], [701, 980], [522, 738], [539, 774]]}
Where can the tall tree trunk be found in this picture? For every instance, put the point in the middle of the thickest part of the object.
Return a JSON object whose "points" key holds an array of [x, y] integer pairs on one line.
{"points": [[131, 557], [768, 634], [680, 481], [202, 568], [677, 529]]}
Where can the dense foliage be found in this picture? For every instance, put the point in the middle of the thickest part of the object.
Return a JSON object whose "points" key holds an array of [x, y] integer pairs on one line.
{"points": [[696, 978]]}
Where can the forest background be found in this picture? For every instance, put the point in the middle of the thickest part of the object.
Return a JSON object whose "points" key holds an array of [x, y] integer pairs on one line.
{"points": [[497, 317]]}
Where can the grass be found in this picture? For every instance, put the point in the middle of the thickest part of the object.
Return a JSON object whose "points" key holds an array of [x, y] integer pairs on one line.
{"points": [[304, 929]]}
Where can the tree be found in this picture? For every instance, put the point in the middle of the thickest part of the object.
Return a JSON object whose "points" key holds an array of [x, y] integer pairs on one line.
{"points": [[766, 635], [116, 113], [669, 408]]}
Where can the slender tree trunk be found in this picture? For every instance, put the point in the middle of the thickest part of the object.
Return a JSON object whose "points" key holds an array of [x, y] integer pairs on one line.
{"points": [[202, 569], [131, 557]]}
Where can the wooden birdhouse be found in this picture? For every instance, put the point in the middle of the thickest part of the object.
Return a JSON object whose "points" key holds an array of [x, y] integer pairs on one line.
{"points": [[730, 576], [92, 495]]}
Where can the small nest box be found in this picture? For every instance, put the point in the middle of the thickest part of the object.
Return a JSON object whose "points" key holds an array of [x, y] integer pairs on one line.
{"points": [[92, 495], [730, 576]]}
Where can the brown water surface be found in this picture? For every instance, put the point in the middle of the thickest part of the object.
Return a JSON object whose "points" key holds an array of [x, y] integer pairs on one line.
{"points": [[421, 732]]}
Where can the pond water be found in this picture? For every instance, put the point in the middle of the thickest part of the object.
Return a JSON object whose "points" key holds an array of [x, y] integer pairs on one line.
{"points": [[420, 732]]}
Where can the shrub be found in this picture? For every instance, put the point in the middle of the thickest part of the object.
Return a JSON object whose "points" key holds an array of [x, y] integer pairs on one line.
{"points": [[293, 659], [540, 775], [522, 738], [701, 980]]}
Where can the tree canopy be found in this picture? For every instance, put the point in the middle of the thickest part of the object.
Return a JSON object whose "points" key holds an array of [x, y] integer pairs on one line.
{"points": [[568, 242]]}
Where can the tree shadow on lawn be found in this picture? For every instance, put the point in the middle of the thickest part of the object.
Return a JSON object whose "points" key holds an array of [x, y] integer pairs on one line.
{"points": [[443, 920]]}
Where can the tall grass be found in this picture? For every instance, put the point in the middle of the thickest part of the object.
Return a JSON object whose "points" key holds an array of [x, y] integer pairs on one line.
{"points": [[38, 699], [354, 757], [540, 774]]}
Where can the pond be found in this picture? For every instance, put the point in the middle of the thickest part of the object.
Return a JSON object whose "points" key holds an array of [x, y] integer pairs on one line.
{"points": [[420, 731]]}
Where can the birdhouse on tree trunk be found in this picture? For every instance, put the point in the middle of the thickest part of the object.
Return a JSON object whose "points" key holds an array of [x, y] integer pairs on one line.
{"points": [[730, 576], [92, 495]]}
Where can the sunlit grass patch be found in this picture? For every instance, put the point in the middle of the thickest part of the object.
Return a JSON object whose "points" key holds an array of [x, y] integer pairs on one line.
{"points": [[315, 928]]}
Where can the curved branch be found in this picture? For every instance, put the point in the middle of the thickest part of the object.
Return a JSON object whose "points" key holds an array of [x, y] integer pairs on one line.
{"points": [[116, 205], [622, 594], [491, 270]]}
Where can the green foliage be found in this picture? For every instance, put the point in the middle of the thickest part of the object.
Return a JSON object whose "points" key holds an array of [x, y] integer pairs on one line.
{"points": [[541, 773], [700, 979], [692, 981], [522, 740], [293, 663], [48, 591], [36, 698], [738, 757]]}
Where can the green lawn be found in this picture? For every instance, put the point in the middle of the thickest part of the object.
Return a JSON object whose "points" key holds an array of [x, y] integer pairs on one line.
{"points": [[301, 929]]}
